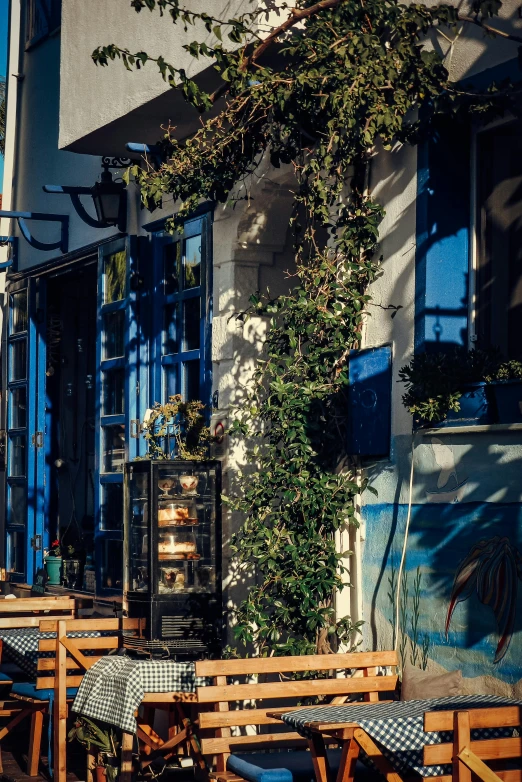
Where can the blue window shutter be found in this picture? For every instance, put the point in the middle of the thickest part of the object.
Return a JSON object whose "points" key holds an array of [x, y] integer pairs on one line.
{"points": [[369, 397]]}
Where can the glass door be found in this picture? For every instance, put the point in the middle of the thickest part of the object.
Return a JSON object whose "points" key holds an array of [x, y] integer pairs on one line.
{"points": [[182, 312], [117, 428], [25, 432]]}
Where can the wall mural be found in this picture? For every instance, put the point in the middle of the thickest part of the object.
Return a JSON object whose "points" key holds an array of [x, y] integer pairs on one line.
{"points": [[492, 568], [460, 600]]}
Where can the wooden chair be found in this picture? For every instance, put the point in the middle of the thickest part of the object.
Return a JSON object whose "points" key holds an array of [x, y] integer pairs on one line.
{"points": [[467, 756], [222, 745], [58, 656]]}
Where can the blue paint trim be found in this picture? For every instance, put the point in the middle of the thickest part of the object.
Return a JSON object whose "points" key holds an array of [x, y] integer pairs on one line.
{"points": [[442, 239], [21, 217]]}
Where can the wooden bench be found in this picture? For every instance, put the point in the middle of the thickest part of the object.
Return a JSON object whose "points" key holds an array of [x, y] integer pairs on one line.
{"points": [[13, 611], [467, 756], [359, 678]]}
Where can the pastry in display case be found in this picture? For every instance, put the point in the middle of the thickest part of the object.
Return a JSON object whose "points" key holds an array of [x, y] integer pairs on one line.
{"points": [[173, 553]]}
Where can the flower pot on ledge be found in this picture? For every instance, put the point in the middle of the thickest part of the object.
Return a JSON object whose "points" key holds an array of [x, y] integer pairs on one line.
{"points": [[53, 566], [475, 407]]}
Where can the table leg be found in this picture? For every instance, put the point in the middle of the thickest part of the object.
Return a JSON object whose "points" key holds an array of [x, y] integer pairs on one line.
{"points": [[320, 758], [349, 757], [374, 753], [127, 743]]}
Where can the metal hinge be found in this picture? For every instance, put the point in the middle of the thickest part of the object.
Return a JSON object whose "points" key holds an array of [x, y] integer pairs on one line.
{"points": [[37, 439], [135, 428], [36, 543]]}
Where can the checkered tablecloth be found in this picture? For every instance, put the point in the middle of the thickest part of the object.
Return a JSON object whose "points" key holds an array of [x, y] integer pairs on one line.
{"points": [[113, 688], [398, 728], [20, 646]]}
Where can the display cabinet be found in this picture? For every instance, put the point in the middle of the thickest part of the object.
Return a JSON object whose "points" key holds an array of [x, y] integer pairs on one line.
{"points": [[173, 555]]}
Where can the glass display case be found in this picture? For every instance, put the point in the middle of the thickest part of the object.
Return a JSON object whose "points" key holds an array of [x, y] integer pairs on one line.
{"points": [[173, 555]]}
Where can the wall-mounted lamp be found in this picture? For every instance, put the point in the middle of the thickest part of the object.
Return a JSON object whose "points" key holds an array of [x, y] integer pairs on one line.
{"points": [[109, 197]]}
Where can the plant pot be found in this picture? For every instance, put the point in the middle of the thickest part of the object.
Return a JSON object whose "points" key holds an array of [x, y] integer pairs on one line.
{"points": [[53, 566], [101, 774], [475, 407], [507, 395]]}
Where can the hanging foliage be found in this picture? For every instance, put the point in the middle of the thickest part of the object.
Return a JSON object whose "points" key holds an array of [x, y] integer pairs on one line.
{"points": [[318, 92]]}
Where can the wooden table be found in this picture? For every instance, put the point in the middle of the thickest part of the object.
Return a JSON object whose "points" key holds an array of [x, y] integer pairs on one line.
{"points": [[353, 738]]}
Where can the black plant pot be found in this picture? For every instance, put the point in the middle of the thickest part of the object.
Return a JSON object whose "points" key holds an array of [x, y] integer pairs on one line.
{"points": [[507, 399]]}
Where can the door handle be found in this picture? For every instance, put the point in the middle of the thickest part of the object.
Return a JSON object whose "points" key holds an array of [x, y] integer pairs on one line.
{"points": [[135, 428]]}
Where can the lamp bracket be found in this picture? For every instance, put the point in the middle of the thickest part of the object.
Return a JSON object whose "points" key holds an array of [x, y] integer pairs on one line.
{"points": [[115, 162], [75, 193], [21, 217]]}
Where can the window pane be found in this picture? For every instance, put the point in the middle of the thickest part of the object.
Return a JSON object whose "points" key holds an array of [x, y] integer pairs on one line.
{"points": [[191, 380], [115, 272], [114, 325], [17, 449], [170, 340], [191, 323], [170, 377], [112, 506], [16, 551], [171, 253], [113, 448], [18, 408], [17, 507], [114, 392], [19, 312], [112, 564], [18, 356], [192, 263]]}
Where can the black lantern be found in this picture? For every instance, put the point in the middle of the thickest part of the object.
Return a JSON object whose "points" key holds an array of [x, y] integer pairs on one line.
{"points": [[109, 199]]}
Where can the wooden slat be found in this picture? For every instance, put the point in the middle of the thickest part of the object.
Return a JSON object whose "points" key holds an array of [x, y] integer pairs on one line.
{"points": [[315, 662], [60, 708], [218, 744], [16, 622], [461, 741], [76, 653], [49, 625], [36, 604], [503, 716], [241, 717], [47, 682], [101, 642], [473, 763], [488, 749], [49, 664], [290, 689]]}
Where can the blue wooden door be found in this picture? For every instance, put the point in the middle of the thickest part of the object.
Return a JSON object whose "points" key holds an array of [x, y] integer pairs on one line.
{"points": [[117, 407], [25, 485]]}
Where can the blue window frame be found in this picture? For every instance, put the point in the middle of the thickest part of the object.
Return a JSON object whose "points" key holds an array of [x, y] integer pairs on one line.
{"points": [[182, 311], [117, 404]]}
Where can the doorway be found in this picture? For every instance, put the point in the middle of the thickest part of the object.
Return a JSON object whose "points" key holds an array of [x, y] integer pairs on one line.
{"points": [[70, 417]]}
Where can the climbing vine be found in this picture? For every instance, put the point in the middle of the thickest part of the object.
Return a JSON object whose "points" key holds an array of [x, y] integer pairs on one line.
{"points": [[319, 91]]}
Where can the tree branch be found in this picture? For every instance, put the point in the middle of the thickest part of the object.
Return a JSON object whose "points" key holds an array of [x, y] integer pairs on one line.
{"points": [[494, 30]]}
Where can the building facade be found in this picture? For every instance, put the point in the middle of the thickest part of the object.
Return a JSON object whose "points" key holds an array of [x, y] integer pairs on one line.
{"points": [[97, 332]]}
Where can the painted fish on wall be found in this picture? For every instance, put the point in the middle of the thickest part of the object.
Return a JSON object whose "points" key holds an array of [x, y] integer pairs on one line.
{"points": [[492, 568]]}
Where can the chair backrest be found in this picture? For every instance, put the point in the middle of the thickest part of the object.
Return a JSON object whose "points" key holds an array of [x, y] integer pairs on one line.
{"points": [[29, 611], [467, 755], [338, 675], [62, 656]]}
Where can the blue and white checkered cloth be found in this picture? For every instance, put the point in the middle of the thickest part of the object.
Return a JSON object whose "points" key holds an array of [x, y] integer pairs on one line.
{"points": [[398, 727]]}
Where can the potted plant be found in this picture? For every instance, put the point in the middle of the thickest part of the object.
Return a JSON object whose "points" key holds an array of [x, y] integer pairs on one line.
{"points": [[450, 389], [105, 739], [178, 430], [53, 563], [507, 392]]}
